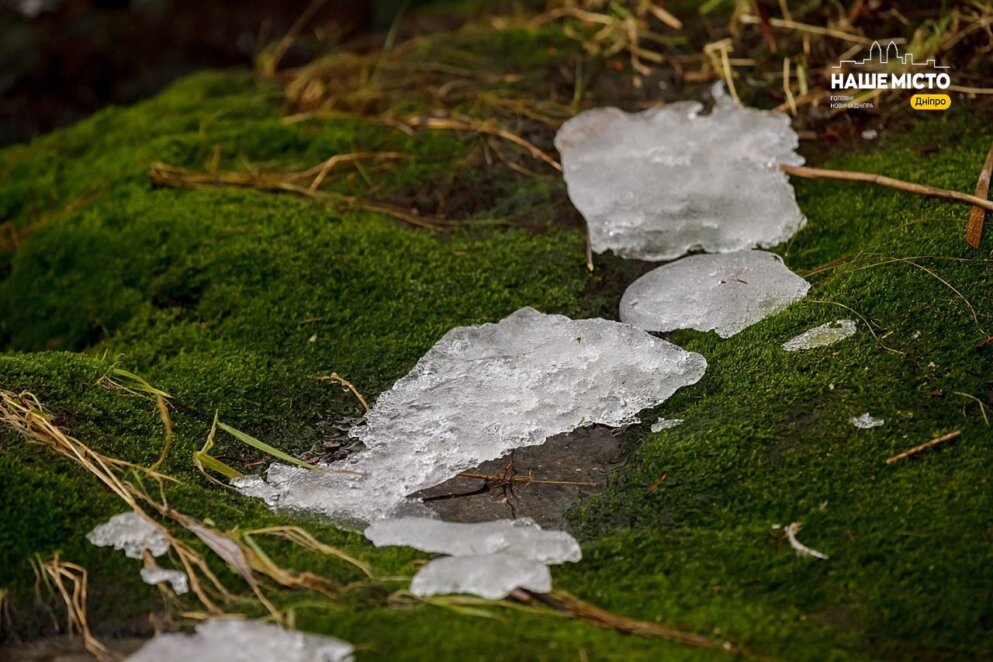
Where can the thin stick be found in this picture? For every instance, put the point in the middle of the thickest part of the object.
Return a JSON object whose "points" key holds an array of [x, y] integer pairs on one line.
{"points": [[923, 447], [335, 377], [977, 215], [889, 182]]}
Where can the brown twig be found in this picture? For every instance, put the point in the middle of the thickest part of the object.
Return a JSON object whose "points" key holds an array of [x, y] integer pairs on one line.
{"points": [[167, 176], [585, 611], [977, 215], [889, 182], [484, 128], [923, 447]]}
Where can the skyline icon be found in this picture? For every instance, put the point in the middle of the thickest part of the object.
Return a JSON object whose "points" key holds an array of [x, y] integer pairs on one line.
{"points": [[877, 55]]}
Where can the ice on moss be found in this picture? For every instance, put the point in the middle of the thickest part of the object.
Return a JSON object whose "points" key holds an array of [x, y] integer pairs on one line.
{"points": [[490, 576], [866, 421], [821, 336], [130, 532], [177, 578], [659, 184], [520, 537], [243, 641], [724, 293], [480, 392], [665, 424]]}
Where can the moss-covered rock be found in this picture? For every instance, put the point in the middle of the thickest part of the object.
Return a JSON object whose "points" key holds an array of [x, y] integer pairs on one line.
{"points": [[235, 301]]}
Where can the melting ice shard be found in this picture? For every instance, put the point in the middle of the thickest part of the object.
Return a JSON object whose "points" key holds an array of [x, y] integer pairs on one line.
{"points": [[177, 578], [490, 576], [522, 538], [724, 293], [243, 641], [130, 532], [662, 183], [480, 392], [665, 424], [866, 421], [821, 336]]}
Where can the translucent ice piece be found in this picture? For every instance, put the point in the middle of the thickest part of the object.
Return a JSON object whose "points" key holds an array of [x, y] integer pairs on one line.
{"points": [[482, 391], [661, 183], [132, 533], [176, 578], [866, 421], [821, 336], [243, 641], [490, 576], [725, 293], [665, 424], [522, 537]]}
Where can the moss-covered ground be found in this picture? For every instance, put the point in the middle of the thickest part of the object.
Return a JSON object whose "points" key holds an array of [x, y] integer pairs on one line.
{"points": [[236, 301]]}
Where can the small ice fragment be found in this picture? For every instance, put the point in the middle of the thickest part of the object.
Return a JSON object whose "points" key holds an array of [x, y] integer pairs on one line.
{"points": [[256, 487], [522, 538], [724, 293], [659, 184], [801, 549], [490, 576], [479, 393], [665, 424], [243, 641], [866, 421], [821, 336], [870, 134], [132, 533], [176, 578]]}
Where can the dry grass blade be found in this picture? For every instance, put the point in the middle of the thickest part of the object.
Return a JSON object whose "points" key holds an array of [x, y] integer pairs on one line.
{"points": [[69, 580], [203, 460], [889, 182], [977, 215], [335, 377], [304, 539]]}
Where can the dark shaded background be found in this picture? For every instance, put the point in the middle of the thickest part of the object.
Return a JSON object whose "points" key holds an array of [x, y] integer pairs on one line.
{"points": [[61, 60]]}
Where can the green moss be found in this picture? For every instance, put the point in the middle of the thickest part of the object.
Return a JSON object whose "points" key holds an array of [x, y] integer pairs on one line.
{"points": [[235, 301]]}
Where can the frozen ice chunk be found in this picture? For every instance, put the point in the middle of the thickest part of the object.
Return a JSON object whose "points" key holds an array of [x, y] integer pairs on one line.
{"points": [[176, 578], [661, 183], [255, 486], [665, 424], [132, 533], [866, 421], [821, 336], [482, 391], [243, 641], [724, 293], [521, 537], [490, 576]]}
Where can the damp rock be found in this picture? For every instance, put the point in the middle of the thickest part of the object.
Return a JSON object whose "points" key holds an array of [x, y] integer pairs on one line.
{"points": [[821, 336], [490, 576], [724, 293], [177, 578], [665, 424], [521, 538], [243, 641], [130, 532], [659, 184], [481, 392], [866, 421]]}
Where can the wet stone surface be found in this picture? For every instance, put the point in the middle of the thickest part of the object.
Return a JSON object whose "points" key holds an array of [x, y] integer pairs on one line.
{"points": [[588, 455]]}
